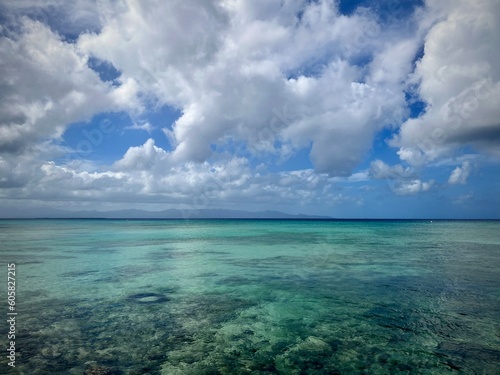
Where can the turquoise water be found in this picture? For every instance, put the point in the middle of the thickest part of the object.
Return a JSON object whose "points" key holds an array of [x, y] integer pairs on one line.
{"points": [[253, 297]]}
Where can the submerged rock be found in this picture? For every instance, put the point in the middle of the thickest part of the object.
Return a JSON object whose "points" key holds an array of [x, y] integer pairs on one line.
{"points": [[100, 370], [310, 354]]}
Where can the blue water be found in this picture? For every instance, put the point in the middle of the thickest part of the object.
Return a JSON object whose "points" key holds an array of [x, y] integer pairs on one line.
{"points": [[253, 296]]}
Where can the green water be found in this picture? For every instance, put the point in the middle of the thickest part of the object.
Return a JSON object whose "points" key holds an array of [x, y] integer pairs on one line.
{"points": [[253, 297]]}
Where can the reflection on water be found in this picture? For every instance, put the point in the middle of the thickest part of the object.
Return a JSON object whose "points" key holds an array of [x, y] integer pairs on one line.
{"points": [[254, 297]]}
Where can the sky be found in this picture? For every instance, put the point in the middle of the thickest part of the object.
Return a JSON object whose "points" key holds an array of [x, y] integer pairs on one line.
{"points": [[350, 108]]}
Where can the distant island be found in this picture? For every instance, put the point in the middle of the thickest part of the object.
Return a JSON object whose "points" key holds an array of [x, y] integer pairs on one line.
{"points": [[144, 214]]}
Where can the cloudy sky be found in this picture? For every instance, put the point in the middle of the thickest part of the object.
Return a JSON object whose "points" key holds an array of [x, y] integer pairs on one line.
{"points": [[346, 108]]}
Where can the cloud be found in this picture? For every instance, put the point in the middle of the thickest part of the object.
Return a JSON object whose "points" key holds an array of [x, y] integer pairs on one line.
{"points": [[146, 175], [379, 170], [64, 17], [230, 66], [412, 187], [401, 180], [151, 170], [145, 157], [13, 174], [146, 126], [458, 77], [46, 86], [460, 174]]}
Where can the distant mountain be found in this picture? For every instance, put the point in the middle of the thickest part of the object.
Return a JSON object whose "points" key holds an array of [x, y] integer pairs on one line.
{"points": [[165, 214]]}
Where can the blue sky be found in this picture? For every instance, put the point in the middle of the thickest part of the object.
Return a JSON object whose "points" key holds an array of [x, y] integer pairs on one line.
{"points": [[355, 109]]}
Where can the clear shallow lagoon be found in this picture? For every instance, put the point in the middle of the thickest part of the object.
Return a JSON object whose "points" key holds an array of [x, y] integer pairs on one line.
{"points": [[253, 297]]}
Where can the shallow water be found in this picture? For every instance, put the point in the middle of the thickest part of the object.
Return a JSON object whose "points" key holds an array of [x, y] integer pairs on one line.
{"points": [[253, 297]]}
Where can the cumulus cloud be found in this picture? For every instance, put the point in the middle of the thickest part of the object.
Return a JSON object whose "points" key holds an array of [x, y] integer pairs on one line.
{"points": [[144, 175], [64, 17], [144, 157], [380, 170], [460, 174], [412, 187], [401, 180], [46, 86], [152, 171], [458, 77], [229, 66]]}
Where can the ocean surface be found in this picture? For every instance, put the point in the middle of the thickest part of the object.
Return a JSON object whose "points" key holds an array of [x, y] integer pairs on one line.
{"points": [[170, 297]]}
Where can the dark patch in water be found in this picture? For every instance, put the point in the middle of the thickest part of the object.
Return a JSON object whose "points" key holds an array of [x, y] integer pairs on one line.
{"points": [[168, 254], [234, 280], [30, 262], [99, 250], [279, 261], [101, 370], [400, 318], [213, 252], [469, 352], [79, 273], [208, 274], [215, 308]]}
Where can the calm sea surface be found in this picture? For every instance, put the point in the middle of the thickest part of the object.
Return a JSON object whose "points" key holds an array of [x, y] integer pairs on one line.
{"points": [[252, 297]]}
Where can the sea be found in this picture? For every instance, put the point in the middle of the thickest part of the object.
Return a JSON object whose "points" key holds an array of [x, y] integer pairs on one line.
{"points": [[129, 297]]}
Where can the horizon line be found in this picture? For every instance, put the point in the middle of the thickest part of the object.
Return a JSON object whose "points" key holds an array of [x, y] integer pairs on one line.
{"points": [[250, 218]]}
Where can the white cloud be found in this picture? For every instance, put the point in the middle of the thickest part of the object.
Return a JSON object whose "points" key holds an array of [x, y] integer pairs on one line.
{"points": [[64, 17], [146, 126], [145, 157], [412, 187], [460, 174], [380, 170], [229, 66], [145, 174], [150, 169], [401, 180], [46, 86], [459, 79]]}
